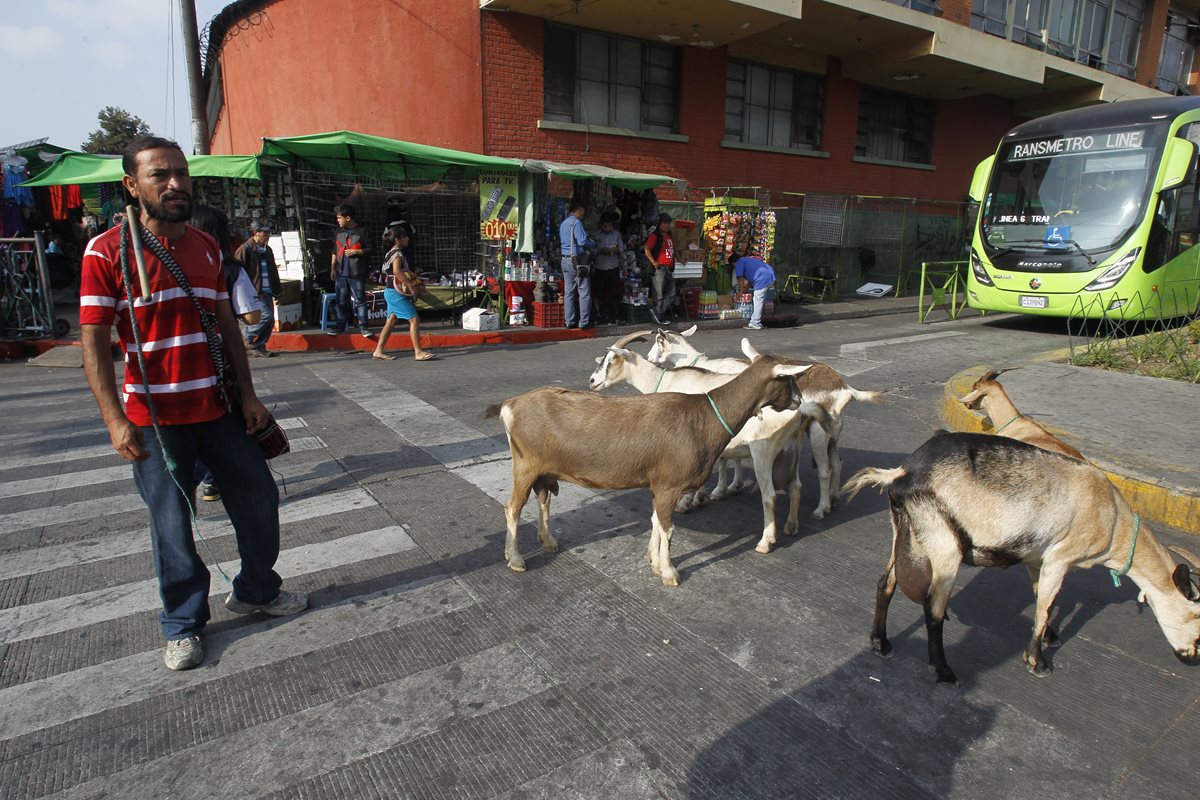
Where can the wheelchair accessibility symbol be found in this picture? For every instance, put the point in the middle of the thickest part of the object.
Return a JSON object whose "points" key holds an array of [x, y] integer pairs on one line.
{"points": [[1057, 236]]}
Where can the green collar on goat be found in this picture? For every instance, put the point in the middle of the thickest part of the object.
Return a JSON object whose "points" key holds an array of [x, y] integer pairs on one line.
{"points": [[1116, 574]]}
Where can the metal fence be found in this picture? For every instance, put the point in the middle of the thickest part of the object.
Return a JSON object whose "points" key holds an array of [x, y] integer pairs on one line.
{"points": [[26, 301], [1135, 338]]}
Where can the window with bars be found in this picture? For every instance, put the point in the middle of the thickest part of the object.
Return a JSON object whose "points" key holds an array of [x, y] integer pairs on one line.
{"points": [[594, 78], [772, 107], [894, 127]]}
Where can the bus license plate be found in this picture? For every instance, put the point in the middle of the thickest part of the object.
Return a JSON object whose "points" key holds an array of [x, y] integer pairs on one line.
{"points": [[1032, 301]]}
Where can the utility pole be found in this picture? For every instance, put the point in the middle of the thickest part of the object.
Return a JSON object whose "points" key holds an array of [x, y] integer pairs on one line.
{"points": [[191, 51]]}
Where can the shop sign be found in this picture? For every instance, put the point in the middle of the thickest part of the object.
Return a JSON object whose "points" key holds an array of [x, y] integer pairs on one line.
{"points": [[498, 211]]}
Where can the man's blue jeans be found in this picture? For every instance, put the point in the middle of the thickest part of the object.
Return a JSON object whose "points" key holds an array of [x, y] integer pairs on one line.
{"points": [[258, 334], [348, 290], [251, 500], [576, 311]]}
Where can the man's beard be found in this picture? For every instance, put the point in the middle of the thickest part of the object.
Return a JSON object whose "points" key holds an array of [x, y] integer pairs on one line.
{"points": [[159, 210]]}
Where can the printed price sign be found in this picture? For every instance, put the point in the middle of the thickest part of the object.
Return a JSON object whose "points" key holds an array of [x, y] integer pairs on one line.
{"points": [[498, 229]]}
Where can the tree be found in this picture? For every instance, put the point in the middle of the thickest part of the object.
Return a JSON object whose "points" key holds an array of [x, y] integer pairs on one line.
{"points": [[117, 129]]}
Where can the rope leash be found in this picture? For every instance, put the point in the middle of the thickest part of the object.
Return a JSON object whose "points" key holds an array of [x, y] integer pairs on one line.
{"points": [[724, 424], [168, 460], [1005, 425], [1116, 574]]}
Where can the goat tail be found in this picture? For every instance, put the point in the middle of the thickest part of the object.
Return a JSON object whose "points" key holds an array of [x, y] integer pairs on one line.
{"points": [[872, 476], [818, 413], [838, 399], [492, 410]]}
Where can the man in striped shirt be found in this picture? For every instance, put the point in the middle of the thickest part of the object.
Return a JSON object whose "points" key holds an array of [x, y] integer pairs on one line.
{"points": [[168, 417]]}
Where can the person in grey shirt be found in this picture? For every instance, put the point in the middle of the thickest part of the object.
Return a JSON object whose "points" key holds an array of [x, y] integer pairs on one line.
{"points": [[606, 282]]}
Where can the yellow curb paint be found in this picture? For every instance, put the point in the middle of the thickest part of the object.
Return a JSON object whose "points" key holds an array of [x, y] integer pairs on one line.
{"points": [[1154, 502]]}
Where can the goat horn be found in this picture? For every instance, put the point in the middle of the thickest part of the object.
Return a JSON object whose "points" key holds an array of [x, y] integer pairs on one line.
{"points": [[1186, 555], [628, 339]]}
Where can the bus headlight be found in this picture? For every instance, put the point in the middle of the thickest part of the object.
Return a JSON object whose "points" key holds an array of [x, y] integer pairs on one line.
{"points": [[1114, 273], [977, 269]]}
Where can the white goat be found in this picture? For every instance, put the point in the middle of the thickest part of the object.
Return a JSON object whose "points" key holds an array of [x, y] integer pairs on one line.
{"points": [[821, 384], [991, 501], [766, 437], [665, 441]]}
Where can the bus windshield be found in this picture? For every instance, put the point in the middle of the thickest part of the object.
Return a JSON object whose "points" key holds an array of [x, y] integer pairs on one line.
{"points": [[1082, 192]]}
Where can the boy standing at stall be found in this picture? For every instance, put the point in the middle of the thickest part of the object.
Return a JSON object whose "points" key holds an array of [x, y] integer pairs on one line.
{"points": [[348, 270]]}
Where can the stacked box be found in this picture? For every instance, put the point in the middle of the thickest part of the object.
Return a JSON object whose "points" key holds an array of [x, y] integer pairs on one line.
{"points": [[548, 315], [635, 314], [287, 316]]}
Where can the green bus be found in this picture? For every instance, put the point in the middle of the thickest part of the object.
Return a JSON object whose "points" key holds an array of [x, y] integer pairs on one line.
{"points": [[1091, 213]]}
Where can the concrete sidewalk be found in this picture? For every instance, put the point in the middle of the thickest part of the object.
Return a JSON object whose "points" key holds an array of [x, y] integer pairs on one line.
{"points": [[1141, 431]]}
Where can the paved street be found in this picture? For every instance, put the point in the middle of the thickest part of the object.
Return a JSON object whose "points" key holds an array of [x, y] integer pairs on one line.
{"points": [[426, 669]]}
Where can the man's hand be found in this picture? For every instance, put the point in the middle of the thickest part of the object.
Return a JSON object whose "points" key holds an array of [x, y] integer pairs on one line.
{"points": [[127, 440], [255, 414]]}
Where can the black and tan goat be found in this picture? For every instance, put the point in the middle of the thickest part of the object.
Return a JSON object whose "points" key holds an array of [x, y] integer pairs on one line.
{"points": [[666, 441], [989, 501], [988, 394]]}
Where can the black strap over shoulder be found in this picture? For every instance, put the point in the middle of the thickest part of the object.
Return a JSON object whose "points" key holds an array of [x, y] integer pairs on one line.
{"points": [[207, 319]]}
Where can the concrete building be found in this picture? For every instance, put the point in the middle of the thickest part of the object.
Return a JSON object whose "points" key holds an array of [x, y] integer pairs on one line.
{"points": [[861, 97]]}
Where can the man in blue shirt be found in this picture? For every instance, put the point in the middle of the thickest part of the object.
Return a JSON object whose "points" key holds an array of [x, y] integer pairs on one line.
{"points": [[575, 242], [753, 273]]}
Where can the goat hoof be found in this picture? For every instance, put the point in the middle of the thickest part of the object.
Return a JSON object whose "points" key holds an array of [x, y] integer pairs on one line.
{"points": [[515, 565], [1038, 669], [717, 496], [1050, 639], [883, 647], [764, 547], [670, 578], [791, 529], [820, 514], [550, 546], [945, 675]]}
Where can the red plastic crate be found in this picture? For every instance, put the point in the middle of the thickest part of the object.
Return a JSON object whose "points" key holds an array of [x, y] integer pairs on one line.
{"points": [[548, 315]]}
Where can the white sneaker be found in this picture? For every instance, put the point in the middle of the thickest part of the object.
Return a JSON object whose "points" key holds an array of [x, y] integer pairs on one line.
{"points": [[184, 653], [284, 604], [754, 327]]}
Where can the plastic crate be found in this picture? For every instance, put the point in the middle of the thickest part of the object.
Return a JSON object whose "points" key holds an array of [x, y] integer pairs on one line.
{"points": [[548, 315], [691, 301], [635, 314]]}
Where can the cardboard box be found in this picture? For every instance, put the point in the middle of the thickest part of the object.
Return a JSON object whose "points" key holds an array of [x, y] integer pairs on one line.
{"points": [[289, 292], [287, 316], [480, 319]]}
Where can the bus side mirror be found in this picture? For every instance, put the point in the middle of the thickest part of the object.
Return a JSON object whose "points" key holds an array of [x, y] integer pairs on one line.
{"points": [[1179, 164], [980, 179]]}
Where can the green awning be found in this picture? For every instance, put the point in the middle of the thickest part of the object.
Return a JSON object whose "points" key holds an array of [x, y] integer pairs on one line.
{"points": [[72, 168], [615, 177], [361, 153]]}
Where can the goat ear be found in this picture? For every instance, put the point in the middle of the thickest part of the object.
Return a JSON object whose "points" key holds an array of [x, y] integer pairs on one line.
{"points": [[599, 359], [689, 331], [971, 399], [791, 370], [1182, 578], [749, 350]]}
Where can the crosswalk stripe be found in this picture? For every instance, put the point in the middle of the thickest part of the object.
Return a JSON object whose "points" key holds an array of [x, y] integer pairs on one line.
{"points": [[443, 437], [383, 716], [88, 608], [66, 480], [58, 457], [71, 512], [116, 545], [58, 699]]}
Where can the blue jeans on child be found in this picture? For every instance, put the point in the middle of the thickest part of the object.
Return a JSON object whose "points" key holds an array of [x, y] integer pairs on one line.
{"points": [[251, 500], [351, 290]]}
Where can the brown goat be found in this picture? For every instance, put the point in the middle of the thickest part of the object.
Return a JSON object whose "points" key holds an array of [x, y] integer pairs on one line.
{"points": [[989, 501], [988, 394], [666, 441]]}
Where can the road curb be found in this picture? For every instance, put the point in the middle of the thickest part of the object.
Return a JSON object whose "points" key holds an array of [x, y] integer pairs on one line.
{"points": [[1163, 504]]}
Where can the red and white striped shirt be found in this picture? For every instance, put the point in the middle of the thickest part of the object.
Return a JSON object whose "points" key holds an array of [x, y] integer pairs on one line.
{"points": [[179, 368]]}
